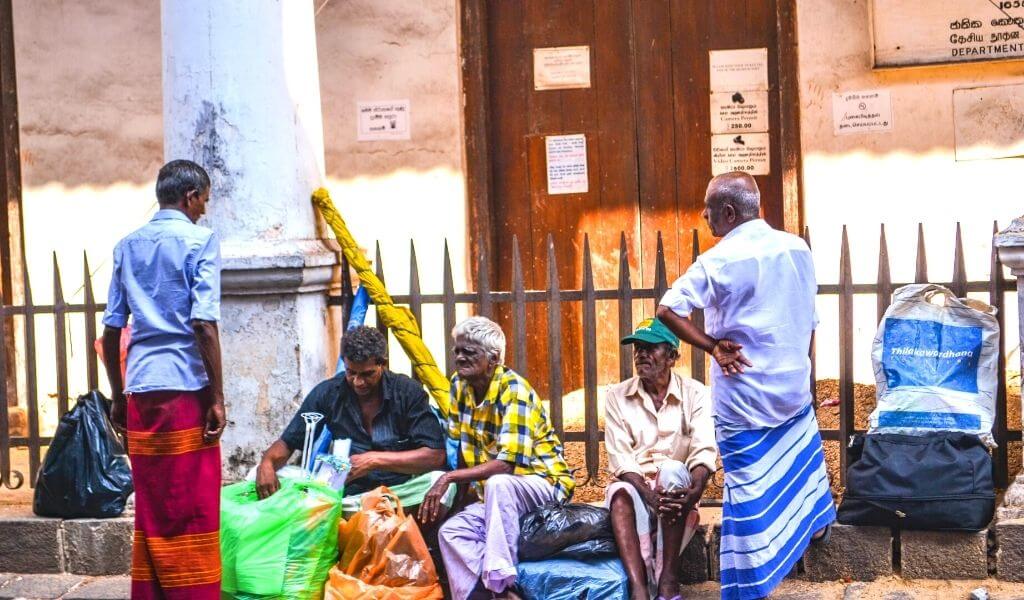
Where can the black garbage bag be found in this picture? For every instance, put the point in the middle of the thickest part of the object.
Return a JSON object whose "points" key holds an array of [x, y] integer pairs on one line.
{"points": [[85, 472], [577, 531]]}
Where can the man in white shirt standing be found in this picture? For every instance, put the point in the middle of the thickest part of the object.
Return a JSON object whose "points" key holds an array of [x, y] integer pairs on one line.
{"points": [[757, 288], [661, 447]]}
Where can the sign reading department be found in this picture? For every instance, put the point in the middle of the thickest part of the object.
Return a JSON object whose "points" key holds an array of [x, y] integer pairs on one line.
{"points": [[912, 32]]}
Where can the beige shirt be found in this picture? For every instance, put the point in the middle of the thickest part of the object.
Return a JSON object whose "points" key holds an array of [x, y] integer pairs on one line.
{"points": [[638, 438]]}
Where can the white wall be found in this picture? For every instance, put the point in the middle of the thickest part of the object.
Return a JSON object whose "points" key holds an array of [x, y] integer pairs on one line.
{"points": [[89, 79], [397, 191], [900, 177]]}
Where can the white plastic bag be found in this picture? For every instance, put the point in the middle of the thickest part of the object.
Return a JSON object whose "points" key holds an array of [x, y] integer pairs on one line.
{"points": [[935, 358]]}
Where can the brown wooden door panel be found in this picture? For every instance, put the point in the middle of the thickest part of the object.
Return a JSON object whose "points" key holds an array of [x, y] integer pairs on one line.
{"points": [[646, 118], [521, 118]]}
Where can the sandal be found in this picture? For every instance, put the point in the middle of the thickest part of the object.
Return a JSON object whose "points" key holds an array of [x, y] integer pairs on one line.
{"points": [[824, 538]]}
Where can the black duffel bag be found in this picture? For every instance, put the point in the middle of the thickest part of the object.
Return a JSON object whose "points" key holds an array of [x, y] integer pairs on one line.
{"points": [[941, 481], [573, 530]]}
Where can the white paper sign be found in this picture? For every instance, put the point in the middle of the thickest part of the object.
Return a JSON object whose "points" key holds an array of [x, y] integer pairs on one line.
{"points": [[861, 112], [567, 164], [383, 120], [561, 68], [740, 112], [989, 122], [745, 69], [744, 152]]}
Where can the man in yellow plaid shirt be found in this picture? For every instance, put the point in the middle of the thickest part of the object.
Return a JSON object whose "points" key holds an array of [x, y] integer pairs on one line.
{"points": [[507, 450]]}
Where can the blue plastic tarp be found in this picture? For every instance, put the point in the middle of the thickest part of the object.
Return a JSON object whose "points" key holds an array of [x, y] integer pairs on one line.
{"points": [[569, 579]]}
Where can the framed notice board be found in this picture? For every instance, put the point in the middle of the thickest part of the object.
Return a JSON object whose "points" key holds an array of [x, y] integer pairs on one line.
{"points": [[928, 32]]}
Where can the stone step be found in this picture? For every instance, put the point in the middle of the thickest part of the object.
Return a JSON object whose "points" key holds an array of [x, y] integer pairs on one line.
{"points": [[88, 547], [102, 547]]}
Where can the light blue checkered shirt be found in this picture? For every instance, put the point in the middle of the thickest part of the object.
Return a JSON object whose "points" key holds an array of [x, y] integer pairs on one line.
{"points": [[166, 274]]}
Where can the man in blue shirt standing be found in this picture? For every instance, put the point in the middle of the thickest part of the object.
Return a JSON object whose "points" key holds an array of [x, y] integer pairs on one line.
{"points": [[167, 278]]}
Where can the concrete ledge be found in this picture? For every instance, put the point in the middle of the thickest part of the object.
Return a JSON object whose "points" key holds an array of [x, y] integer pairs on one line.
{"points": [[944, 554], [693, 564], [31, 545], [715, 554], [1010, 556], [98, 546], [855, 553]]}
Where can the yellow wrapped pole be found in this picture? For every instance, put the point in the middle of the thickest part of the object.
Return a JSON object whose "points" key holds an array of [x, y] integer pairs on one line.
{"points": [[399, 319]]}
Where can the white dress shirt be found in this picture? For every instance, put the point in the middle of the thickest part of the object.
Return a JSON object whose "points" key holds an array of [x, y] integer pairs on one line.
{"points": [[640, 438], [757, 288]]}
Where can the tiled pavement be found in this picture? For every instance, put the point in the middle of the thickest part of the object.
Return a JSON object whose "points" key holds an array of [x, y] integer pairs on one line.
{"points": [[74, 587]]}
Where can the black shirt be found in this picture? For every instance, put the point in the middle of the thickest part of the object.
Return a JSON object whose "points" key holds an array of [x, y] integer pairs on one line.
{"points": [[405, 422]]}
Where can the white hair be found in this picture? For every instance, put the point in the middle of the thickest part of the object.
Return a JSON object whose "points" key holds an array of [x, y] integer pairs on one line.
{"points": [[485, 332], [740, 190]]}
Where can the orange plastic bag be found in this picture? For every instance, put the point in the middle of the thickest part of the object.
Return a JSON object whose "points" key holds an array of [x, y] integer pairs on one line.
{"points": [[383, 555]]}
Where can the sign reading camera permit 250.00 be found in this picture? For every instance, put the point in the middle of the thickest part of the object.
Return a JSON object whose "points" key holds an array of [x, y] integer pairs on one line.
{"points": [[740, 112], [747, 152], [920, 32]]}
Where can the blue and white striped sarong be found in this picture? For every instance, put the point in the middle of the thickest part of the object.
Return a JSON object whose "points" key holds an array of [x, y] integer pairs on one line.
{"points": [[776, 497]]}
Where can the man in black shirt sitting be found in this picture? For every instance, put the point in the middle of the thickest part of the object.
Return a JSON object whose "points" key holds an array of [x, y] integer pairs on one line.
{"points": [[396, 439]]}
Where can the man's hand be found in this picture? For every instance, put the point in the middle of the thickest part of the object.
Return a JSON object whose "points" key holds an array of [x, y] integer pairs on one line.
{"points": [[650, 498], [362, 464], [728, 356], [431, 506], [266, 480], [215, 421], [119, 415]]}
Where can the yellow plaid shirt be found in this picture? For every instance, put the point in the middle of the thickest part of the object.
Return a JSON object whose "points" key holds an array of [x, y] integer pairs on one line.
{"points": [[510, 424]]}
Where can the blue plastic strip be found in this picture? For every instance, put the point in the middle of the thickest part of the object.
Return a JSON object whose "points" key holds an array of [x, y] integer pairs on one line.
{"points": [[360, 304], [929, 420]]}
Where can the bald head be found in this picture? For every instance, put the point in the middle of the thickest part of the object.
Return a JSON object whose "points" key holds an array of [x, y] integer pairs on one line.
{"points": [[731, 200]]}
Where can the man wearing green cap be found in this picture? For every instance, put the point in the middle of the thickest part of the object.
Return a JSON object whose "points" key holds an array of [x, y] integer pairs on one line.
{"points": [[660, 440]]}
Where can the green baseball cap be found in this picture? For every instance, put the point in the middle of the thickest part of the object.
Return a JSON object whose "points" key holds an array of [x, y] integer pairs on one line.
{"points": [[652, 331]]}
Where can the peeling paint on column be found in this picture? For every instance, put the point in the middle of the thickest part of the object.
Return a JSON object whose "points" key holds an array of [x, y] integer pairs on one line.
{"points": [[209, 146]]}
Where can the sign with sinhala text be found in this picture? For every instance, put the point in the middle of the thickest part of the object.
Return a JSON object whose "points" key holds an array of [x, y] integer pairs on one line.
{"points": [[744, 152], [561, 68], [920, 32], [567, 164], [861, 112], [382, 120], [739, 112]]}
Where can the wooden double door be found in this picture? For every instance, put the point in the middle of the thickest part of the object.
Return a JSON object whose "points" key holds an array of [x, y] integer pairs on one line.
{"points": [[646, 121]]}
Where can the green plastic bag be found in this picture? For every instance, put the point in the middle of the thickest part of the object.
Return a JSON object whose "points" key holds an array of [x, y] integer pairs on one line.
{"points": [[280, 547]]}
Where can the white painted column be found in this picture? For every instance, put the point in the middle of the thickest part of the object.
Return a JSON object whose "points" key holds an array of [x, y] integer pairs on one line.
{"points": [[1010, 244], [241, 96]]}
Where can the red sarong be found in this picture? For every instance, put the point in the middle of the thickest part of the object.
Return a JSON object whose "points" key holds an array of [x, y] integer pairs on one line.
{"points": [[176, 552]]}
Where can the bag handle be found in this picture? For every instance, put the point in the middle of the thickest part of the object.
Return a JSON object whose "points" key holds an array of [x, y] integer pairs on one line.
{"points": [[929, 290], [373, 498]]}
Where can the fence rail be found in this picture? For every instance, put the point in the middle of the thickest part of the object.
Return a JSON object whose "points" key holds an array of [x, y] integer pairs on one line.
{"points": [[515, 300], [485, 299]]}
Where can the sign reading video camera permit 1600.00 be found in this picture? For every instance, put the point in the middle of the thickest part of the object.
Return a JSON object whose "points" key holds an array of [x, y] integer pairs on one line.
{"points": [[747, 152]]}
